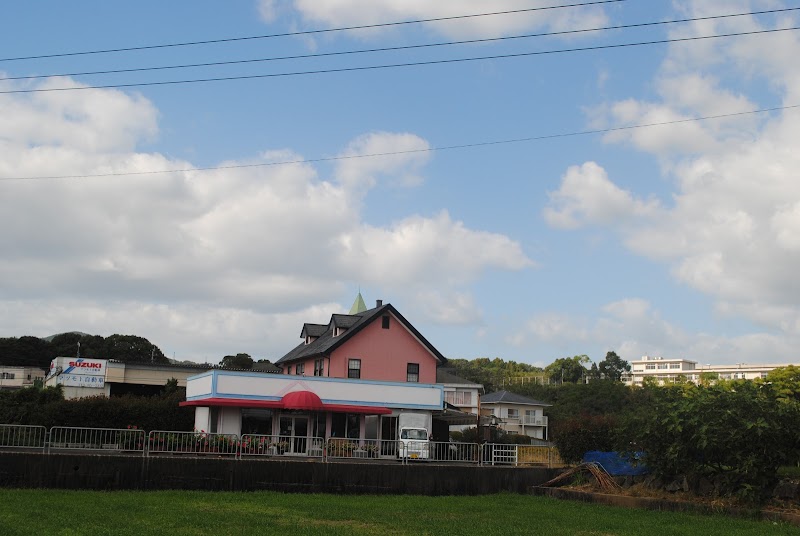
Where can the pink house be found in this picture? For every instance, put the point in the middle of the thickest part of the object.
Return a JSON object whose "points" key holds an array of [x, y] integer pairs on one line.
{"points": [[367, 344], [354, 379]]}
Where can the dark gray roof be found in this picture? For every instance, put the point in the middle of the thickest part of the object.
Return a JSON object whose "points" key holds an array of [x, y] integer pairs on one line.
{"points": [[313, 330], [327, 343], [500, 397], [444, 375], [265, 367], [345, 321]]}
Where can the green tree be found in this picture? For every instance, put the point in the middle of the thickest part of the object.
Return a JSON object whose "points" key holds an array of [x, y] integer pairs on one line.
{"points": [[567, 369], [240, 361], [613, 367], [26, 352], [133, 349], [786, 382], [69, 344]]}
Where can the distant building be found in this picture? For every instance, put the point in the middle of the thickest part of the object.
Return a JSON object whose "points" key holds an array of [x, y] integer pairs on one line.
{"points": [[459, 392], [669, 370], [19, 377], [516, 414], [83, 377]]}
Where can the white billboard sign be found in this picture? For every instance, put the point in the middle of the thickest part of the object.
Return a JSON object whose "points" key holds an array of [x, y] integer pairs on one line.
{"points": [[77, 380], [84, 367]]}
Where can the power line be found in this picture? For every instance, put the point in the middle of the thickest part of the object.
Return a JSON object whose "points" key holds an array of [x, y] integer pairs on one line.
{"points": [[307, 32], [398, 65], [413, 151], [406, 47]]}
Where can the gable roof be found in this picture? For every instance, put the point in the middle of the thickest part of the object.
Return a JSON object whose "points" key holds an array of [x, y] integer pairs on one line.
{"points": [[506, 397], [313, 330], [326, 343]]}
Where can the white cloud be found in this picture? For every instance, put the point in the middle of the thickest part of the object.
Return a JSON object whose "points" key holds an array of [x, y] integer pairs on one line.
{"points": [[201, 258], [404, 167], [268, 10], [420, 249], [451, 308], [633, 328], [587, 196], [340, 13], [730, 231]]}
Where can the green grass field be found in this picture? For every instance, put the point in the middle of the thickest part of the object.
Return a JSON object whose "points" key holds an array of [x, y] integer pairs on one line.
{"points": [[59, 512]]}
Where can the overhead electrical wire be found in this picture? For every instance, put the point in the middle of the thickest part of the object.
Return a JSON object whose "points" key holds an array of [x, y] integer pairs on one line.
{"points": [[405, 47], [398, 65], [308, 32], [412, 151]]}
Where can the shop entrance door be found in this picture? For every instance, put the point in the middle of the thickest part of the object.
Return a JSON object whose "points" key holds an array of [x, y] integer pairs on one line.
{"points": [[294, 429]]}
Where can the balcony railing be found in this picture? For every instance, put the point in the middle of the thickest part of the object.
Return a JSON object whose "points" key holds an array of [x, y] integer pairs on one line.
{"points": [[527, 420]]}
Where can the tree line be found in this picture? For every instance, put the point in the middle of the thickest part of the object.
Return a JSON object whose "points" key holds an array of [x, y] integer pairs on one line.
{"points": [[31, 351], [495, 374]]}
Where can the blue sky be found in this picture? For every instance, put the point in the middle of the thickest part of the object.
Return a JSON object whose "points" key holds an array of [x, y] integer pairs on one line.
{"points": [[678, 240]]}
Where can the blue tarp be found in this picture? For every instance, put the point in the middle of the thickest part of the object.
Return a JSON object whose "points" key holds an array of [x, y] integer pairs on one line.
{"points": [[617, 464]]}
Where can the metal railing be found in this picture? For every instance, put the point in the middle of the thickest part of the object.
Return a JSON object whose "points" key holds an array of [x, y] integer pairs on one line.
{"points": [[277, 445], [102, 439], [500, 453], [341, 448], [164, 442], [167, 442], [23, 436]]}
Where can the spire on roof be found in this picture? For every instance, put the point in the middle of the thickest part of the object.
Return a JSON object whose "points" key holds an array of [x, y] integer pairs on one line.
{"points": [[358, 306]]}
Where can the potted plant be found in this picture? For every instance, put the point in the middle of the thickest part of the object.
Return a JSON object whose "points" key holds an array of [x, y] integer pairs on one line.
{"points": [[280, 446]]}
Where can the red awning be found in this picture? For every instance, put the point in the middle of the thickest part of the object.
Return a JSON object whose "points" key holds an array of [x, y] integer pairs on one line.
{"points": [[296, 400], [302, 400]]}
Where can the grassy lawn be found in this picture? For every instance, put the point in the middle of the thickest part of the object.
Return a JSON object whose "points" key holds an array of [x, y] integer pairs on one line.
{"points": [[59, 512]]}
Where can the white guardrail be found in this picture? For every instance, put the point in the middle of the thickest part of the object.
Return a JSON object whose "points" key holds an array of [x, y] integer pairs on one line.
{"points": [[132, 441], [22, 436], [102, 439]]}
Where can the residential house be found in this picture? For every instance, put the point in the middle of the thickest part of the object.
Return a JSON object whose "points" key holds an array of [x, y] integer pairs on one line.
{"points": [[516, 414], [350, 378], [461, 394]]}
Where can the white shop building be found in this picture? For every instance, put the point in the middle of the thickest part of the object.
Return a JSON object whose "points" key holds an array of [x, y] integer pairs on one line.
{"points": [[307, 407]]}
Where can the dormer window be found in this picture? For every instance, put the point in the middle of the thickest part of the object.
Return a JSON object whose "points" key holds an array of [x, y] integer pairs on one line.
{"points": [[338, 331]]}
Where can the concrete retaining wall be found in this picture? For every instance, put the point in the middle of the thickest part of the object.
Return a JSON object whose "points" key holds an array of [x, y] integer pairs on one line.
{"points": [[107, 472]]}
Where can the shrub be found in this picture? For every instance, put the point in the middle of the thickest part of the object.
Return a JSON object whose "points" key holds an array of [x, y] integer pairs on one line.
{"points": [[735, 435], [578, 435]]}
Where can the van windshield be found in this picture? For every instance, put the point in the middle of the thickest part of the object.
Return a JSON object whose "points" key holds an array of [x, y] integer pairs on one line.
{"points": [[414, 433]]}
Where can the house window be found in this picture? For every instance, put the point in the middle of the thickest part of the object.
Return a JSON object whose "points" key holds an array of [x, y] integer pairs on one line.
{"points": [[458, 398], [300, 369], [513, 414], [385, 322], [354, 368], [412, 372], [7, 376], [319, 365]]}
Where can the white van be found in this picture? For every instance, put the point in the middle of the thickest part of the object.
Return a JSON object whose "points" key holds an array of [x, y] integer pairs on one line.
{"points": [[414, 443]]}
